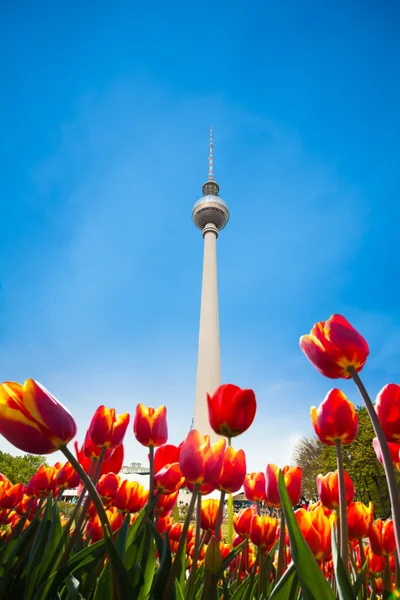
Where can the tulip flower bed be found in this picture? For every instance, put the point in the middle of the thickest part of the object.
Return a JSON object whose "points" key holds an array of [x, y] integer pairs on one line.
{"points": [[121, 540]]}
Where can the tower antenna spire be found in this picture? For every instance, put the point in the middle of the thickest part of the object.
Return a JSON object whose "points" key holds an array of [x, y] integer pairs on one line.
{"points": [[211, 159]]}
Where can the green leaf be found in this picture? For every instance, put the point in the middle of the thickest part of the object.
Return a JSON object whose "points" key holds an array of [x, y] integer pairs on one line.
{"points": [[38, 549], [344, 587], [242, 589], [313, 584], [230, 557], [54, 548], [73, 588], [161, 578], [361, 578], [103, 588], [120, 575], [148, 568], [122, 538], [178, 591], [287, 586]]}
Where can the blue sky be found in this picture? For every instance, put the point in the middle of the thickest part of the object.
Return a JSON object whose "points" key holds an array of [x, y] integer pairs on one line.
{"points": [[105, 115]]}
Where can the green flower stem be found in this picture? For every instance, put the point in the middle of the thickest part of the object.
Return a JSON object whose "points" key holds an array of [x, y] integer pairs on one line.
{"points": [[197, 546], [151, 481], [362, 559], [281, 547], [220, 515], [344, 536], [230, 510], [80, 500], [91, 491], [397, 570], [394, 493], [182, 540], [387, 578]]}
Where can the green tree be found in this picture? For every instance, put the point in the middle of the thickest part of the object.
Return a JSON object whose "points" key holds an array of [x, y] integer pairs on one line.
{"points": [[20, 468], [359, 461]]}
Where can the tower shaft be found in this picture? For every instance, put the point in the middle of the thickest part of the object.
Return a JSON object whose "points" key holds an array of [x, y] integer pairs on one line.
{"points": [[209, 362]]}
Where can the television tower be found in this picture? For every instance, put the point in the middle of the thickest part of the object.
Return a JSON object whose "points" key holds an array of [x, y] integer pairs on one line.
{"points": [[210, 214]]}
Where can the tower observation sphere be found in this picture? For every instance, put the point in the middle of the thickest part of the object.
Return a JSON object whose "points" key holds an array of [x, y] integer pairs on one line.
{"points": [[210, 208]]}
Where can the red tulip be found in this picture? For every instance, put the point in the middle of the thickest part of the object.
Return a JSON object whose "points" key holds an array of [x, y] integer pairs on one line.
{"points": [[254, 487], [333, 346], [67, 477], [376, 564], [112, 463], [263, 531], [335, 419], [388, 410], [150, 425], [169, 479], [11, 496], [107, 487], [359, 519], [164, 524], [166, 455], [43, 482], [328, 489], [166, 503], [233, 471], [176, 532], [209, 513], [381, 537], [242, 521], [94, 528], [200, 462], [131, 496], [231, 410], [32, 420], [292, 476], [107, 430], [394, 450]]}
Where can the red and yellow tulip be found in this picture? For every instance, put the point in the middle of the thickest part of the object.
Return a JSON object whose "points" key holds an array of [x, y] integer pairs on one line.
{"points": [[328, 489], [199, 461], [169, 479], [209, 513], [107, 429], [333, 346], [359, 520], [32, 420], [381, 538], [263, 531], [254, 487], [292, 476], [388, 410], [150, 425], [233, 471], [131, 496], [335, 419], [231, 410]]}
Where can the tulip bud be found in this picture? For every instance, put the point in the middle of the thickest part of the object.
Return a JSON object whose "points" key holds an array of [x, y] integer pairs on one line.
{"points": [[335, 419], [231, 410]]}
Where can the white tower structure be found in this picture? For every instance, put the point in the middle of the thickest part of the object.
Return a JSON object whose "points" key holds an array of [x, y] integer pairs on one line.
{"points": [[210, 214]]}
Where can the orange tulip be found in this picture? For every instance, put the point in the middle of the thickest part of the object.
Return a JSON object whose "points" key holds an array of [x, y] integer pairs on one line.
{"points": [[225, 550], [254, 487], [233, 471], [166, 455], [328, 489], [131, 496], [107, 430], [150, 425], [111, 464], [43, 482], [209, 513], [200, 462], [176, 531], [333, 346], [394, 450], [169, 479], [388, 410], [242, 521], [166, 503], [335, 419], [107, 487], [292, 476], [67, 477], [11, 496], [381, 538], [359, 519], [164, 524], [231, 410], [94, 528], [263, 531], [376, 564], [316, 529], [32, 420]]}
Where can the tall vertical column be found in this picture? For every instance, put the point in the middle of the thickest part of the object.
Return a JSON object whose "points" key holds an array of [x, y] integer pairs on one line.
{"points": [[209, 363]]}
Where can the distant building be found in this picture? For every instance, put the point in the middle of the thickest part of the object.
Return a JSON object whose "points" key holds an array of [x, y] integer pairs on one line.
{"points": [[135, 467]]}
